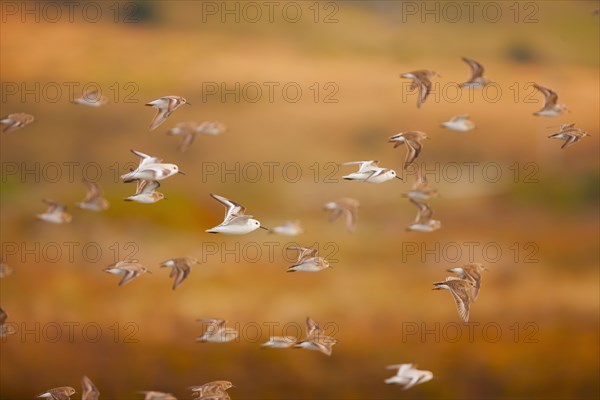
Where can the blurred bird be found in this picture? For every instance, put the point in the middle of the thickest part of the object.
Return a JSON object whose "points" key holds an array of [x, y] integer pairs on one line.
{"points": [[93, 201], [153, 395], [424, 221], [91, 99], [308, 260], [288, 228], [472, 273], [421, 80], [216, 390], [89, 390], [190, 129], [180, 268], [127, 270], [460, 123], [420, 189], [165, 106], [316, 339], [569, 134], [280, 342], [5, 329], [56, 213], [5, 269], [459, 289], [146, 193], [59, 393], [346, 206], [550, 108], [408, 376], [412, 140], [477, 79], [216, 331], [15, 121]]}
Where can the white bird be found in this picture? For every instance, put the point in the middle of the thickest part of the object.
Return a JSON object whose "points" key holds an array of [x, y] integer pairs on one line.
{"points": [[408, 376], [369, 171], [150, 169], [165, 105], [236, 222]]}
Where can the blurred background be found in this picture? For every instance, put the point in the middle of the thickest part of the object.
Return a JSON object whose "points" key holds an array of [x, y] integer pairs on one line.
{"points": [[510, 198]]}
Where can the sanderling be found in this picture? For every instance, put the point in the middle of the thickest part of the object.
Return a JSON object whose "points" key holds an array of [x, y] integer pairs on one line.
{"points": [[477, 79], [190, 129], [412, 140], [89, 390], [165, 106], [146, 193], [569, 134], [280, 342], [460, 123], [236, 222], [59, 393], [180, 268], [308, 260], [459, 289], [288, 228], [369, 171], [550, 108], [216, 390], [421, 81], [346, 206], [91, 99], [316, 339], [5, 269], [420, 189], [470, 272], [424, 221], [216, 331], [150, 169], [154, 395], [56, 213], [5, 329], [93, 201], [15, 121], [408, 375], [127, 270]]}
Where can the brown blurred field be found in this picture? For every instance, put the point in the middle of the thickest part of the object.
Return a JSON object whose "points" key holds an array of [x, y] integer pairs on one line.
{"points": [[376, 290]]}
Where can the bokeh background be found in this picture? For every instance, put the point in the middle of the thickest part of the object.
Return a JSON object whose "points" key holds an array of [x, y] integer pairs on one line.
{"points": [[542, 212]]}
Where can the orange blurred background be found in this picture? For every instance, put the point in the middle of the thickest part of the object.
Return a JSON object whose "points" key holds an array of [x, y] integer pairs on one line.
{"points": [[503, 187]]}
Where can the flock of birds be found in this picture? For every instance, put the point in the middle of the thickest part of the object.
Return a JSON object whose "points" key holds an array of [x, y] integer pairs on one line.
{"points": [[464, 285]]}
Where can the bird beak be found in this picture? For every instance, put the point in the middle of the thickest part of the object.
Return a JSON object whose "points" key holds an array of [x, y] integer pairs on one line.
{"points": [[189, 104], [181, 172], [262, 227], [397, 177]]}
